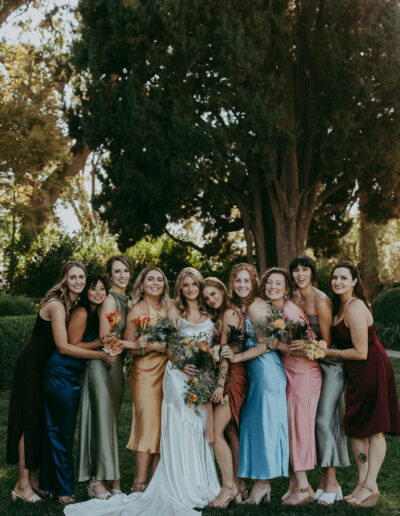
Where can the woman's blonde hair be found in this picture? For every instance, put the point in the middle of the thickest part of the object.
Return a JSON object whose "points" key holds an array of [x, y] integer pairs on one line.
{"points": [[138, 294], [179, 299], [255, 283], [60, 290], [216, 315]]}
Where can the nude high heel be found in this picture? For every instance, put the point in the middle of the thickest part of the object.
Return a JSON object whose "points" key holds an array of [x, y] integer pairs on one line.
{"points": [[32, 499]]}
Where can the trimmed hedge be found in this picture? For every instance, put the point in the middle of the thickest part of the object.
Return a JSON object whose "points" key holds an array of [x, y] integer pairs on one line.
{"points": [[386, 307], [14, 332], [16, 305]]}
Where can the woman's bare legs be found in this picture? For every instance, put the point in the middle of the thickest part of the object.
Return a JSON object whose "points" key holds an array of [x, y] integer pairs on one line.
{"points": [[23, 485]]}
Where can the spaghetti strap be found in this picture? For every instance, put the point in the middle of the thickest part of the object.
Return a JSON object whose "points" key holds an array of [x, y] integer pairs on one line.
{"points": [[348, 304]]}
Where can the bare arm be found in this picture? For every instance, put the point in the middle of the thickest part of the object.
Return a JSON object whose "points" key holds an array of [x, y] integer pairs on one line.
{"points": [[56, 312], [357, 319], [324, 311], [76, 330]]}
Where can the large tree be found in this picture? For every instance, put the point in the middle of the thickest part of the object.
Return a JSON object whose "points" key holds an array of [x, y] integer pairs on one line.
{"points": [[246, 115]]}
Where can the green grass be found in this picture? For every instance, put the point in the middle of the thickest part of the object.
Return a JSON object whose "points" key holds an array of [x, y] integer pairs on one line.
{"points": [[389, 502]]}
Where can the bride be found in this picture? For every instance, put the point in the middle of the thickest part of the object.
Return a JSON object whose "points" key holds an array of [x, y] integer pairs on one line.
{"points": [[185, 476]]}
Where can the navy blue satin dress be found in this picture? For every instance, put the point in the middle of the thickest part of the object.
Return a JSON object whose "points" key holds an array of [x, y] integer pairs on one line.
{"points": [[62, 392]]}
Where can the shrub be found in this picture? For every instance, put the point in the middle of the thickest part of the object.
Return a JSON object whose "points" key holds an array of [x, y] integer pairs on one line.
{"points": [[16, 305], [389, 335], [14, 332], [386, 307]]}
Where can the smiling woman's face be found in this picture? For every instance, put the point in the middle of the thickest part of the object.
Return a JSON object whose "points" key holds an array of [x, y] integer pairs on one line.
{"points": [[213, 297], [242, 284], [275, 287]]}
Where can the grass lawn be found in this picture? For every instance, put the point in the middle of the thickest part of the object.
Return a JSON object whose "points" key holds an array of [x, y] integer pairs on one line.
{"points": [[389, 479]]}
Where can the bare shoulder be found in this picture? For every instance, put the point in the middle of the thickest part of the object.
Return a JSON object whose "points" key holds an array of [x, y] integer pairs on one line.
{"points": [[322, 301], [173, 313], [259, 308], [231, 316], [54, 306], [109, 304], [139, 309], [79, 315], [357, 311]]}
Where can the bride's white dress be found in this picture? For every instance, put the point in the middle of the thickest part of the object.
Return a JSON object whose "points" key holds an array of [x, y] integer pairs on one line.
{"points": [[185, 476]]}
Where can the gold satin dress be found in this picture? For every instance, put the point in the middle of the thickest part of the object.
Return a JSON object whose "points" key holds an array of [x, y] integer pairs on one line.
{"points": [[146, 386]]}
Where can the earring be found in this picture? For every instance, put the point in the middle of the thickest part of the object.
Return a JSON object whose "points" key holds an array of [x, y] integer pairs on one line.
{"points": [[286, 296], [141, 291]]}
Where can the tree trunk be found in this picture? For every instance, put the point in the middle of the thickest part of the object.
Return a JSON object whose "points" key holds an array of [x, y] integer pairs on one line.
{"points": [[258, 227], [369, 257], [12, 250]]}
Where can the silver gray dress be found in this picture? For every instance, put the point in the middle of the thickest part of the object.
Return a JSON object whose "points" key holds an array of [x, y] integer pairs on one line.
{"points": [[329, 433]]}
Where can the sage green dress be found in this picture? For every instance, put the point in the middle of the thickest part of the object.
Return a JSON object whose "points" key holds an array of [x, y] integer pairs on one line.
{"points": [[102, 393], [329, 432]]}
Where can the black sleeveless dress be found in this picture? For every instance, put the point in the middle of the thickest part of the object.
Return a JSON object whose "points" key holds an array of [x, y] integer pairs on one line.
{"points": [[26, 410]]}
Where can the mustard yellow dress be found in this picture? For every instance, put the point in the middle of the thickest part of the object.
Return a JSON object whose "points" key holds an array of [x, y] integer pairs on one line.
{"points": [[146, 386]]}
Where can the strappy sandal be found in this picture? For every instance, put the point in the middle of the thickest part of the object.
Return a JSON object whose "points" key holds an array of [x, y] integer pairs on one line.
{"points": [[138, 487], [92, 493], [330, 498], [354, 493], [224, 498], [294, 498], [370, 501], [18, 496], [66, 500], [243, 492]]}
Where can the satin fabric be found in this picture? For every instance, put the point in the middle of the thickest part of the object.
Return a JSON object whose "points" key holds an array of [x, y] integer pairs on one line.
{"points": [[264, 441], [372, 405], [329, 431], [185, 476], [236, 388], [62, 392], [102, 393], [304, 380], [146, 386]]}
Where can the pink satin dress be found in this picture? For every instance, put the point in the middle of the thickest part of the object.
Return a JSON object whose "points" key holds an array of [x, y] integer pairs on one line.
{"points": [[304, 380]]}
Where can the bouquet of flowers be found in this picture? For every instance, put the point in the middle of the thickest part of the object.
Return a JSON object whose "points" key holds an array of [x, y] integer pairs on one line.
{"points": [[298, 329], [196, 351], [199, 390], [111, 344], [315, 349], [273, 327], [163, 331]]}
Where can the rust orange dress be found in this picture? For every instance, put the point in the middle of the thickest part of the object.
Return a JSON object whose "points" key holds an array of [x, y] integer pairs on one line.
{"points": [[146, 386], [236, 388]]}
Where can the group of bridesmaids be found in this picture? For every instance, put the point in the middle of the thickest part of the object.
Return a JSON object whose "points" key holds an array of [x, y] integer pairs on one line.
{"points": [[274, 412]]}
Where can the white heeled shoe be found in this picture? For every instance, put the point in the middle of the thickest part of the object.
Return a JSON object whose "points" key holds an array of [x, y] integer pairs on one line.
{"points": [[92, 493], [330, 498], [318, 493]]}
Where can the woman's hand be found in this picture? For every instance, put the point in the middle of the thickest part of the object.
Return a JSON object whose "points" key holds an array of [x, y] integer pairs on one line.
{"points": [[108, 359], [297, 345], [142, 342], [227, 352], [159, 347], [274, 344], [190, 370], [218, 394]]}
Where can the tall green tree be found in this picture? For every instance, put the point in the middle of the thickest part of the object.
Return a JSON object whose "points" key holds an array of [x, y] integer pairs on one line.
{"points": [[245, 115]]}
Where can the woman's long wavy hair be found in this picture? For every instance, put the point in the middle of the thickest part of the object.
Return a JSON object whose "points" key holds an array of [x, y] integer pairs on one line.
{"points": [[216, 315], [60, 290], [276, 270], [179, 299], [255, 283], [359, 290], [138, 295], [92, 324]]}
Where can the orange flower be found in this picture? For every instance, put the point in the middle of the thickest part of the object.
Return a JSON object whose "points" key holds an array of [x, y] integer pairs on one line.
{"points": [[280, 324], [186, 341], [310, 354], [193, 379], [142, 323], [319, 353], [192, 398], [113, 318], [203, 345]]}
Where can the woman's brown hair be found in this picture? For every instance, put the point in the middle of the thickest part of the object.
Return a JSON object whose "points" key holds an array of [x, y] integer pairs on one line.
{"points": [[358, 291], [255, 283], [276, 270]]}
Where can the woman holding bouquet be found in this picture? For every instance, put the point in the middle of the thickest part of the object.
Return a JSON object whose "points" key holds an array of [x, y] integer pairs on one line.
{"points": [[62, 390], [264, 441], [330, 437], [231, 390], [304, 381], [26, 417], [372, 407], [150, 303], [102, 392]]}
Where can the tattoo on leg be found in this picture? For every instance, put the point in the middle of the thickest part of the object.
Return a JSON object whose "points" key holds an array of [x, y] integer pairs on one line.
{"points": [[362, 458]]}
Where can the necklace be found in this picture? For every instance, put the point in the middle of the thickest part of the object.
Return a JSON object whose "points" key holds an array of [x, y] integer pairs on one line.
{"points": [[156, 308]]}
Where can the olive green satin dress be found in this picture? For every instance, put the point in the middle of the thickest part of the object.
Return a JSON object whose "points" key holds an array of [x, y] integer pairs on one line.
{"points": [[329, 432], [102, 393]]}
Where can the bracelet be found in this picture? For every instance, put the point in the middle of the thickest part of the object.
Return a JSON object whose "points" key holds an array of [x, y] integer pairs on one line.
{"points": [[219, 385]]}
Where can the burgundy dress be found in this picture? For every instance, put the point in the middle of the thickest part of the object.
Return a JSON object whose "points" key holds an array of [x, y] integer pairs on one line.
{"points": [[26, 410], [371, 397]]}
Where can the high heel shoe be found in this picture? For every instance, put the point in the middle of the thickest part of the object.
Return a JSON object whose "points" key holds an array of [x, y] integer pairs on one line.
{"points": [[370, 501], [66, 500], [318, 493], [354, 493], [294, 498], [225, 497], [243, 492], [32, 499], [260, 495], [330, 498], [92, 493]]}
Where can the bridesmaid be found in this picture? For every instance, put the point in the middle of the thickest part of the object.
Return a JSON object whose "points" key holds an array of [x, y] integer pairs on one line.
{"points": [[102, 392], [331, 441], [62, 390], [304, 381], [150, 299], [26, 418], [232, 385], [372, 407], [264, 440]]}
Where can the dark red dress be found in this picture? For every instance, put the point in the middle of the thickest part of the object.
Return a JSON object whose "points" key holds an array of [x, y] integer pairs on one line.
{"points": [[371, 397], [26, 410]]}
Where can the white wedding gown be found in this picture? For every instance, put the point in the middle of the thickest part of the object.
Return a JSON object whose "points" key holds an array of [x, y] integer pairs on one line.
{"points": [[185, 476]]}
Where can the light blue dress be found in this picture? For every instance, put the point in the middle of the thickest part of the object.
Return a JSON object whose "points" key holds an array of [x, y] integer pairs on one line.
{"points": [[264, 439]]}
